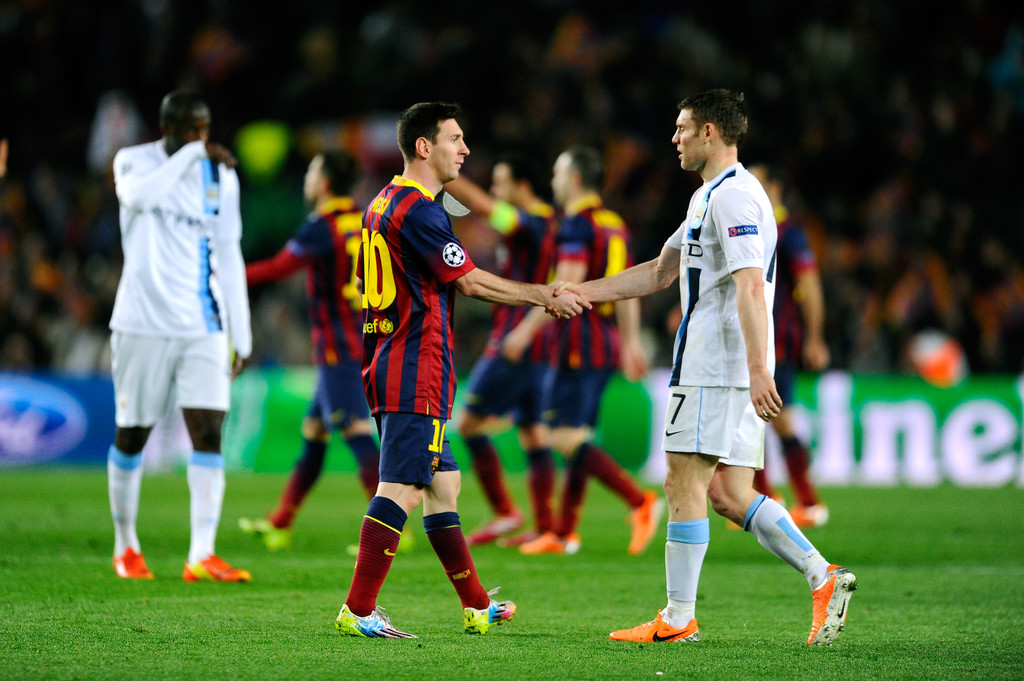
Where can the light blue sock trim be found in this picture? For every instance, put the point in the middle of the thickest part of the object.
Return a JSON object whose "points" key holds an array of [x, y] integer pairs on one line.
{"points": [[206, 459], [756, 504], [126, 462], [690, 531]]}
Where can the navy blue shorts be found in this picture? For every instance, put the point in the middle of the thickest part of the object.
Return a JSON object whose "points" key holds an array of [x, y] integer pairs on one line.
{"points": [[785, 382], [340, 397], [498, 386], [412, 448], [572, 397]]}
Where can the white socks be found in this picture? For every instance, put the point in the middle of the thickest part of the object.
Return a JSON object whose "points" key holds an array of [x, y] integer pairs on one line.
{"points": [[684, 555], [775, 530], [124, 482], [206, 492]]}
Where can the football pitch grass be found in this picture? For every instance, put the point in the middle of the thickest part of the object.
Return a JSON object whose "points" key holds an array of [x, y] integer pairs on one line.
{"points": [[940, 571]]}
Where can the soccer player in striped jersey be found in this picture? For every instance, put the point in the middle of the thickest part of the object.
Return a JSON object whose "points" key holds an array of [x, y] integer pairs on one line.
{"points": [[499, 384], [593, 241], [799, 344], [327, 247], [723, 392], [412, 264], [181, 301]]}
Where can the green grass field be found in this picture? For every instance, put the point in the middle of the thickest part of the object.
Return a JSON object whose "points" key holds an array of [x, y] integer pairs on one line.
{"points": [[940, 596]]}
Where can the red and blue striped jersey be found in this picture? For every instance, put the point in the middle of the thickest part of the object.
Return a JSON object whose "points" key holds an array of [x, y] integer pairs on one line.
{"points": [[410, 261], [599, 238], [527, 254], [795, 258], [327, 246]]}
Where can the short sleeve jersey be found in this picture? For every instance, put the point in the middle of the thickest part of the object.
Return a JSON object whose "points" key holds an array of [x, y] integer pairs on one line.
{"points": [[410, 261], [527, 253], [329, 243], [599, 238], [729, 226]]}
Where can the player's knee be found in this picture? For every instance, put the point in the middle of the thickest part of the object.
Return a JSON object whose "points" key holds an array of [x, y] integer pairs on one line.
{"points": [[357, 428], [205, 434], [568, 441], [131, 440], [314, 430], [533, 437], [719, 504], [469, 425], [725, 504]]}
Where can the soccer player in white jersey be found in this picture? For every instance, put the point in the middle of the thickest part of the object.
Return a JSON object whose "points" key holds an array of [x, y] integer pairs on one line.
{"points": [[180, 304], [723, 393]]}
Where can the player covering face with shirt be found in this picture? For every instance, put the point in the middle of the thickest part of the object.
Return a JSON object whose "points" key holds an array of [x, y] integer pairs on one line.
{"points": [[180, 322]]}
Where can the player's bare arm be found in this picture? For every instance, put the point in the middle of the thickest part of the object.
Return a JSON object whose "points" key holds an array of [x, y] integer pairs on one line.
{"points": [[635, 282], [812, 310], [516, 342], [481, 284], [220, 154], [753, 316], [632, 355]]}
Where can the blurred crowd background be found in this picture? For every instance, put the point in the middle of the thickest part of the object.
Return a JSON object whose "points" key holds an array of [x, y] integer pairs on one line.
{"points": [[898, 126]]}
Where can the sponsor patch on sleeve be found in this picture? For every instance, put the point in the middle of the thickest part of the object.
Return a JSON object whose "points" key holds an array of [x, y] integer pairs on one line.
{"points": [[743, 230]]}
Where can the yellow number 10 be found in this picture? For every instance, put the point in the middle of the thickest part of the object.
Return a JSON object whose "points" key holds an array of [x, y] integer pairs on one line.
{"points": [[379, 288], [435, 446]]}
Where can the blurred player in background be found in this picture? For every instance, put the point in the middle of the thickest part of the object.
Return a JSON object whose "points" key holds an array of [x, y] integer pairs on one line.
{"points": [[723, 392], [498, 384], [592, 241], [181, 301], [412, 264], [3, 158], [327, 246], [799, 344]]}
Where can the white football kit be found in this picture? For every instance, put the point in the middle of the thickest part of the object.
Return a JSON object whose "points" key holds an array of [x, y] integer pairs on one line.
{"points": [[183, 279], [729, 226]]}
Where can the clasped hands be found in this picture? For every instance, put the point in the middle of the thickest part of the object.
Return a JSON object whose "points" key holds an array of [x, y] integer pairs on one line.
{"points": [[565, 302]]}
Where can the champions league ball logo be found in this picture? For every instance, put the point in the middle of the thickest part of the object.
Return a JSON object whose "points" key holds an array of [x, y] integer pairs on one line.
{"points": [[453, 255]]}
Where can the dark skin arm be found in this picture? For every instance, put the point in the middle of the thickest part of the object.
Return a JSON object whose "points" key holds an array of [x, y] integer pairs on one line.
{"points": [[220, 154]]}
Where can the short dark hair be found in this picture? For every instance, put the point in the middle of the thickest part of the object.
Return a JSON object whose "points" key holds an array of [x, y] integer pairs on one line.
{"points": [[340, 169], [587, 162], [178, 105], [423, 120], [523, 168], [725, 109]]}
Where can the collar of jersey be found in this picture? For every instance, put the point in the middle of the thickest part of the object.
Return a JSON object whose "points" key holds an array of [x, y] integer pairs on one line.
{"points": [[583, 203], [541, 209], [338, 203], [721, 176], [405, 182]]}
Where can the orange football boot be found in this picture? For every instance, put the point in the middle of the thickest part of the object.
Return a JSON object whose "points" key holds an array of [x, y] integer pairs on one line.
{"points": [[644, 522], [657, 631], [830, 602], [131, 565], [550, 542], [214, 569]]}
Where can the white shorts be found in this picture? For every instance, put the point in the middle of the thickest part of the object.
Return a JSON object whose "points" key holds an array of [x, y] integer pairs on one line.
{"points": [[152, 372], [718, 422]]}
